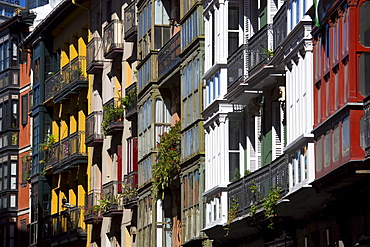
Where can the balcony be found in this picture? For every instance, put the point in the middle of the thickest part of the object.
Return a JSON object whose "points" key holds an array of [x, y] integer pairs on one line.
{"points": [[129, 192], [130, 109], [111, 202], [9, 78], [92, 211], [94, 58], [260, 48], [113, 117], [237, 67], [64, 227], [72, 152], [52, 86], [169, 55], [130, 22], [113, 45], [272, 175], [72, 80], [94, 133], [33, 230]]}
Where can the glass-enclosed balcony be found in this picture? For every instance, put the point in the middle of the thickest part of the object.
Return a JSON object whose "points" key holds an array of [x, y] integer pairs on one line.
{"points": [[9, 77], [113, 45], [94, 133], [9, 140], [93, 214], [112, 199], [94, 58], [130, 22], [169, 55], [251, 189]]}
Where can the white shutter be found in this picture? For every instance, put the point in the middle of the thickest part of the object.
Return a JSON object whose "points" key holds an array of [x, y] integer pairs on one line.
{"points": [[278, 130]]}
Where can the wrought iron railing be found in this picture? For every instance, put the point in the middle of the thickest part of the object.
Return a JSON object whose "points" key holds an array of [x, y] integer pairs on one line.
{"points": [[73, 145], [279, 26], [169, 55], [255, 186], [131, 107], [52, 85], [94, 54], [260, 47], [78, 68], [111, 191], [237, 66], [68, 221], [113, 36], [130, 21], [91, 200], [130, 187], [93, 126]]}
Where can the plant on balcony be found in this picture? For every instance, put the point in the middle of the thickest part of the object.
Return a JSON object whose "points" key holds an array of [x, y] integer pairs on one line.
{"points": [[107, 201], [232, 214], [50, 140], [128, 191], [268, 203], [167, 166], [129, 99], [92, 211], [112, 113]]}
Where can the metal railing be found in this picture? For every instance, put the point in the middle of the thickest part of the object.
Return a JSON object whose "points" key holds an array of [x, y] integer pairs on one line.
{"points": [[279, 26], [68, 221], [131, 107], [260, 47], [52, 85], [113, 36], [91, 200], [73, 145], [94, 54], [78, 67], [130, 186], [265, 178], [130, 20], [169, 55], [93, 126], [237, 66]]}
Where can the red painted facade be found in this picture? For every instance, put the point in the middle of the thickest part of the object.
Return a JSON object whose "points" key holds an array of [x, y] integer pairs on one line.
{"points": [[337, 96]]}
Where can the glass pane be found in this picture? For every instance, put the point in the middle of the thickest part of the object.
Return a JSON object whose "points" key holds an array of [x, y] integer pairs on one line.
{"points": [[345, 136], [319, 155], [234, 172], [365, 24], [336, 143], [234, 135], [327, 149], [233, 16], [364, 71]]}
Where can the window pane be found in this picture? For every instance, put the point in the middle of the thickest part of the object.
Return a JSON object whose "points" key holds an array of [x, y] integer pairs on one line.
{"points": [[345, 136], [327, 149], [336, 143], [319, 154], [365, 24]]}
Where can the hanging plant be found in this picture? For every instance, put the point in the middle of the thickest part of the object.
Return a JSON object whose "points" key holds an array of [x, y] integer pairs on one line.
{"points": [[168, 159]]}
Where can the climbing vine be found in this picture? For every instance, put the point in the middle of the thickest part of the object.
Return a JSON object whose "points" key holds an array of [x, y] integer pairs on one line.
{"points": [[167, 165], [232, 214]]}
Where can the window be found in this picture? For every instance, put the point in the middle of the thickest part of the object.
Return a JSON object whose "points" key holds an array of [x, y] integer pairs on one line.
{"points": [[336, 143], [365, 24], [233, 27], [192, 28], [364, 73], [234, 147], [319, 154], [345, 136], [327, 149], [25, 109]]}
